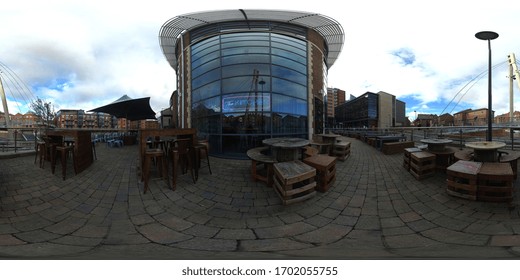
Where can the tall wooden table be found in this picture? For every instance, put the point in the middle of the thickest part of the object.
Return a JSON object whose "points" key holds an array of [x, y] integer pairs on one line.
{"points": [[82, 146], [144, 134]]}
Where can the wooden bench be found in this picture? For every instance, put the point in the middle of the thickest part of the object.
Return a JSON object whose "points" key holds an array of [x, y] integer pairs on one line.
{"points": [[463, 155], [422, 165], [495, 182], [258, 157], [396, 147], [325, 170], [294, 181], [462, 179], [511, 157]]}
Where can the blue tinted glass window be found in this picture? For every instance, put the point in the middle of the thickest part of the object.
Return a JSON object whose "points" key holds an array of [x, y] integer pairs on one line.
{"points": [[204, 59], [244, 36], [300, 50], [205, 44], [241, 69], [245, 44], [206, 91], [206, 78], [289, 40], [249, 58], [289, 63], [289, 88], [289, 105], [237, 84], [207, 107], [205, 67], [290, 55], [244, 50], [289, 74]]}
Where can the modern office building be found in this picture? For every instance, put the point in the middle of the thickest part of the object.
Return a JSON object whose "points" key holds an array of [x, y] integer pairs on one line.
{"points": [[371, 110], [247, 75]]}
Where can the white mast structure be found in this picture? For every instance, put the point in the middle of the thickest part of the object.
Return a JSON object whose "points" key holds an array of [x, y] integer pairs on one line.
{"points": [[513, 75], [4, 103]]}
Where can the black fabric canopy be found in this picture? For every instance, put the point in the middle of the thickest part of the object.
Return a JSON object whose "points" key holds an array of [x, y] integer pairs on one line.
{"points": [[128, 108]]}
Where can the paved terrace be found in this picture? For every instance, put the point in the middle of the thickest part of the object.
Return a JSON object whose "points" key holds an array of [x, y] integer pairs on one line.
{"points": [[376, 210]]}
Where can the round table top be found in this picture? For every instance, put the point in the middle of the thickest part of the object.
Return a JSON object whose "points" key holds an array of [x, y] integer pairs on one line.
{"points": [[436, 141], [329, 135], [485, 145], [286, 142]]}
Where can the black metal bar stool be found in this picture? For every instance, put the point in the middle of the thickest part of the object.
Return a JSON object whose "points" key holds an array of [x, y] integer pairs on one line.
{"points": [[149, 156], [202, 147], [64, 152]]}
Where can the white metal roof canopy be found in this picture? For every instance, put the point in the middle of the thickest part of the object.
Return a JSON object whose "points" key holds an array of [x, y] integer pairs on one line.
{"points": [[327, 27]]}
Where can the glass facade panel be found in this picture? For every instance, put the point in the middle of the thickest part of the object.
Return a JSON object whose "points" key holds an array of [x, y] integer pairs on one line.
{"points": [[241, 69], [289, 88], [212, 64], [206, 91], [246, 58], [248, 86]]}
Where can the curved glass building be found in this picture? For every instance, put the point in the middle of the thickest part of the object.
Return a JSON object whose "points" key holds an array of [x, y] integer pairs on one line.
{"points": [[247, 75]]}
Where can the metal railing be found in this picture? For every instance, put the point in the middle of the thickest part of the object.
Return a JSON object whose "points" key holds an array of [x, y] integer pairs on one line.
{"points": [[459, 134]]}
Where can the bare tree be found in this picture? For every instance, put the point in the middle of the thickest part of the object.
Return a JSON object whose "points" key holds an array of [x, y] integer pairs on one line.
{"points": [[44, 110]]}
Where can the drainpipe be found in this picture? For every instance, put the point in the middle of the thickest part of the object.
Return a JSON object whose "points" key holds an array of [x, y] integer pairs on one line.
{"points": [[182, 96]]}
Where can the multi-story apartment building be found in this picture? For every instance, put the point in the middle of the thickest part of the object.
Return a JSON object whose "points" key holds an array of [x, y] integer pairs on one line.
{"points": [[470, 117], [26, 120], [506, 118], [334, 98]]}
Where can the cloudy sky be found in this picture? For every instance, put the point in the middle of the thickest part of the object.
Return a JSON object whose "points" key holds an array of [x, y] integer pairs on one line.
{"points": [[84, 54]]}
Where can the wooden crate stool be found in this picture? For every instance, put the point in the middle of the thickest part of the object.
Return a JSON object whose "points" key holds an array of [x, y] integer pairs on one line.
{"points": [[495, 182], [422, 165], [325, 170], [341, 150], [294, 181], [407, 154], [462, 179]]}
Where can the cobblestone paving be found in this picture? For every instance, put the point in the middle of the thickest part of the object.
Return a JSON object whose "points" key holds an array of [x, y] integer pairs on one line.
{"points": [[375, 210]]}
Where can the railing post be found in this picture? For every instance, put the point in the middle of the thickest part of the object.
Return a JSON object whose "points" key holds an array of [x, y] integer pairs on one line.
{"points": [[15, 142], [411, 136], [512, 133], [460, 138]]}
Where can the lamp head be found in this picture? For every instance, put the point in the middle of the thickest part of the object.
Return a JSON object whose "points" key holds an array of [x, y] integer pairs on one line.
{"points": [[486, 35]]}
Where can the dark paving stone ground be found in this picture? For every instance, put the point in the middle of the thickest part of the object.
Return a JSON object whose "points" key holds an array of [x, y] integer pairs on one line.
{"points": [[375, 210]]}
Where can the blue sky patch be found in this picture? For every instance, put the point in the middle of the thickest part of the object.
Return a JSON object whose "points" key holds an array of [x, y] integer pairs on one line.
{"points": [[406, 56]]}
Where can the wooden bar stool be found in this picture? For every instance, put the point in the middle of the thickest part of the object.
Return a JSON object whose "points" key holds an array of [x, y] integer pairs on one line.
{"points": [[41, 150], [202, 147], [158, 156], [64, 152]]}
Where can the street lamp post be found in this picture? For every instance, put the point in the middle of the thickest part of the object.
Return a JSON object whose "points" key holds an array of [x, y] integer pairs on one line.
{"points": [[488, 35]]}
